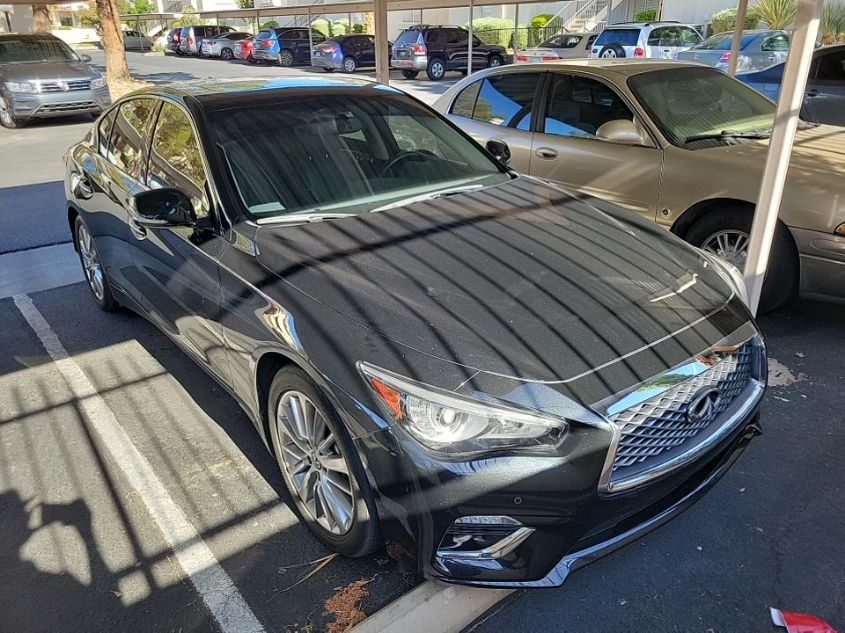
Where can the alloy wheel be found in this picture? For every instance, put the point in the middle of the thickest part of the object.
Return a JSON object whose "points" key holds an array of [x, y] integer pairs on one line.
{"points": [[349, 65], [317, 472], [285, 58], [227, 54], [437, 69], [6, 117], [730, 245], [91, 262], [609, 53], [495, 62]]}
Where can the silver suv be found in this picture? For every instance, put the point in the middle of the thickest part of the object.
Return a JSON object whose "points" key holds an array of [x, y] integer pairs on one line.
{"points": [[656, 40]]}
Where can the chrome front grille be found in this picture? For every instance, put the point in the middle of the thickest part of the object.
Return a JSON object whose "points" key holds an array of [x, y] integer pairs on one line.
{"points": [[65, 86], [655, 430]]}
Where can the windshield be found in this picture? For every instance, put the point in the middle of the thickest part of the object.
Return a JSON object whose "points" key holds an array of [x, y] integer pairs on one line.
{"points": [[688, 101], [30, 49], [343, 154]]}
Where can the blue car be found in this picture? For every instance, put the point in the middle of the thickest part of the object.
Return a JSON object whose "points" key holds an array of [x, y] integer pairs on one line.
{"points": [[286, 46], [824, 94]]}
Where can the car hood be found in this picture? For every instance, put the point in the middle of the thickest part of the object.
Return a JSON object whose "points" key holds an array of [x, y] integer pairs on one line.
{"points": [[33, 71], [522, 280]]}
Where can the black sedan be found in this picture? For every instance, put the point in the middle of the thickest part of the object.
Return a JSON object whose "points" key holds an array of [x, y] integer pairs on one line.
{"points": [[503, 378]]}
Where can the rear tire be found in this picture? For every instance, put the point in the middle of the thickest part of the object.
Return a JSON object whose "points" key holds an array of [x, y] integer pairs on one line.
{"points": [[286, 59], [349, 64], [781, 282], [227, 55], [410, 74], [495, 61], [436, 69], [308, 468]]}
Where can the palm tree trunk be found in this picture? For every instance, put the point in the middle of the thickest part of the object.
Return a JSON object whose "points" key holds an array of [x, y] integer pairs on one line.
{"points": [[117, 70], [41, 18]]}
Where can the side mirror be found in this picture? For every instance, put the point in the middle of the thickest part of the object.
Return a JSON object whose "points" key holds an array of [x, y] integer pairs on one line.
{"points": [[622, 131], [500, 150], [161, 208], [85, 58]]}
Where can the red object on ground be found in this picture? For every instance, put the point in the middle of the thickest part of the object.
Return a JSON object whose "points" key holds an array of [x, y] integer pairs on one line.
{"points": [[800, 622]]}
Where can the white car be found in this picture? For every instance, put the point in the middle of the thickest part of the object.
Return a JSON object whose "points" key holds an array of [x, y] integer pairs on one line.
{"points": [[560, 46], [652, 40]]}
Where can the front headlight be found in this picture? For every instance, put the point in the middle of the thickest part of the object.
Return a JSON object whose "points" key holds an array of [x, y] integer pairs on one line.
{"points": [[455, 425], [730, 273], [98, 82], [21, 86]]}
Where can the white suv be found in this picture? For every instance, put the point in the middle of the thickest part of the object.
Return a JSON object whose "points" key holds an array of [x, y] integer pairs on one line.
{"points": [[660, 40]]}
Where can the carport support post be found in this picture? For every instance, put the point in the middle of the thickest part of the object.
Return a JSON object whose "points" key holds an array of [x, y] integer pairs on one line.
{"points": [[515, 31], [469, 41], [741, 11], [310, 40], [380, 22], [780, 146]]}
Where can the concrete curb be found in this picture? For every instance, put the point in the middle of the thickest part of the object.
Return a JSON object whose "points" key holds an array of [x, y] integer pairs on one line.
{"points": [[433, 607]]}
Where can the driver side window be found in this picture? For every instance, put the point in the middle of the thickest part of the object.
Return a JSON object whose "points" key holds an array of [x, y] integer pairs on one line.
{"points": [[175, 158]]}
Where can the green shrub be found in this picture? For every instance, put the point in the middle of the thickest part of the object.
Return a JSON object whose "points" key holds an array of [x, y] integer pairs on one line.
{"points": [[833, 22], [357, 28], [646, 15], [493, 30], [541, 27], [323, 26], [725, 20], [778, 14]]}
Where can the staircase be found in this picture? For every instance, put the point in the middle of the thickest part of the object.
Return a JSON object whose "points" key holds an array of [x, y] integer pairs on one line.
{"points": [[585, 16]]}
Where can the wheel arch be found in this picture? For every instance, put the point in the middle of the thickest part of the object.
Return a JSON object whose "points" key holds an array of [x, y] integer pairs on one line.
{"points": [[689, 217], [268, 365], [72, 214]]}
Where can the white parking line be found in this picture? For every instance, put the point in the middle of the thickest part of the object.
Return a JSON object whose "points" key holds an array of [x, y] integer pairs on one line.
{"points": [[210, 580]]}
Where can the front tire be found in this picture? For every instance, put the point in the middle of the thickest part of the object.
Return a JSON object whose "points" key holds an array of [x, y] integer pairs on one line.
{"points": [[436, 69], [495, 61], [321, 467], [95, 272], [285, 59], [7, 118], [725, 233], [227, 55]]}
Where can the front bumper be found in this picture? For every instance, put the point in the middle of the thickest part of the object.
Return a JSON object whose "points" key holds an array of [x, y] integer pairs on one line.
{"points": [[416, 62], [57, 104]]}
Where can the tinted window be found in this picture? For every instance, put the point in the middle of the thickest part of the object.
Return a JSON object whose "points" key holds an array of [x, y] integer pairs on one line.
{"points": [[408, 37], [625, 37], [507, 100], [776, 43], [129, 136], [432, 37], [454, 36], [723, 41], [831, 66], [464, 104], [579, 106], [104, 132], [313, 157], [175, 157]]}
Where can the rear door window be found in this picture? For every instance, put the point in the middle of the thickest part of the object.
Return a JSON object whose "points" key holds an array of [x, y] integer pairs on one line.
{"points": [[507, 100], [104, 132], [129, 136], [776, 43], [831, 66]]}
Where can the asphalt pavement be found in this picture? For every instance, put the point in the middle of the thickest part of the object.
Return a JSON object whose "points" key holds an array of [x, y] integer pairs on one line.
{"points": [[136, 496]]}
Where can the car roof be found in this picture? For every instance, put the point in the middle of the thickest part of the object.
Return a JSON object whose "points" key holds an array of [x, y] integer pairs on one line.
{"points": [[29, 36], [209, 89], [634, 25], [619, 66]]}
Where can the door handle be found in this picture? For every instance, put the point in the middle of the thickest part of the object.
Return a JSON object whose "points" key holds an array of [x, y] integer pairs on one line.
{"points": [[546, 152]]}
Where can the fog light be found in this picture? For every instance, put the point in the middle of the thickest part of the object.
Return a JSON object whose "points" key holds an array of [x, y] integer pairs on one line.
{"points": [[482, 537]]}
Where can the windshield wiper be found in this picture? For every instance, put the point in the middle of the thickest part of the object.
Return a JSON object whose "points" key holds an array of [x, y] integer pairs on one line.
{"points": [[727, 134], [443, 193], [303, 218]]}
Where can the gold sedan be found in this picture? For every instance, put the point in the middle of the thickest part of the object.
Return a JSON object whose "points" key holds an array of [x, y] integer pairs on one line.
{"points": [[681, 144]]}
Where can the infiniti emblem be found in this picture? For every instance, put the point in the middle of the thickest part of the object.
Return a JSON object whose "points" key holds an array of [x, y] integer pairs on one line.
{"points": [[703, 405]]}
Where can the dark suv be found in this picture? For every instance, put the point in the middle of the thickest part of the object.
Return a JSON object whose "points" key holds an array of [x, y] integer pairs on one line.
{"points": [[436, 49]]}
